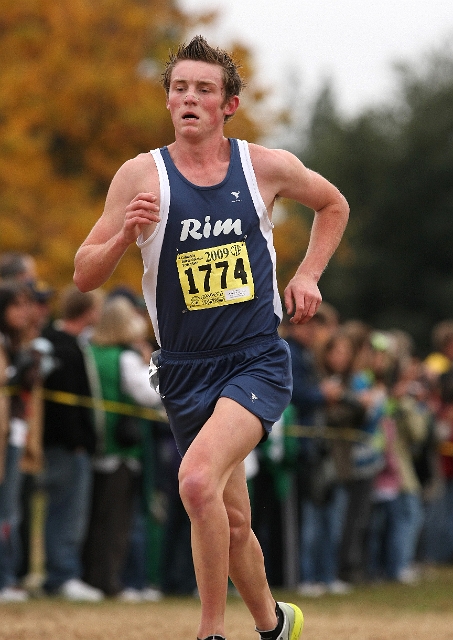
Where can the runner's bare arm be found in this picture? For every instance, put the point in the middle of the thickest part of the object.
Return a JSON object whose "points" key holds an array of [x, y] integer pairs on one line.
{"points": [[280, 173], [132, 204]]}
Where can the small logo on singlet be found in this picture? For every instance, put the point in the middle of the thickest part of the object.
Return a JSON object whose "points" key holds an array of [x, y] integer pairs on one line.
{"points": [[254, 397], [236, 196]]}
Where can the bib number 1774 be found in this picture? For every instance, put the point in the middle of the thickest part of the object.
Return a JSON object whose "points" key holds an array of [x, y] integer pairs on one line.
{"points": [[215, 277]]}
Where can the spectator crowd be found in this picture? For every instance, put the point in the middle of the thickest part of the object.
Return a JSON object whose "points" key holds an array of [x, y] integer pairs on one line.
{"points": [[354, 485]]}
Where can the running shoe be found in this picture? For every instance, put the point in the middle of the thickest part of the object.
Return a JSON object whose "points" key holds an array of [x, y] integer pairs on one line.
{"points": [[293, 622]]}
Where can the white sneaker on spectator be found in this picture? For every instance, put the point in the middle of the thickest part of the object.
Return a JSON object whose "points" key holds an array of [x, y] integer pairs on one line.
{"points": [[151, 595], [77, 590], [409, 575], [339, 588], [13, 594], [130, 595], [311, 589]]}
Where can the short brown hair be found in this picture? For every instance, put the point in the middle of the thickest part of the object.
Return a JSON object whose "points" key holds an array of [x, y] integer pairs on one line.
{"points": [[74, 303], [198, 49], [442, 335]]}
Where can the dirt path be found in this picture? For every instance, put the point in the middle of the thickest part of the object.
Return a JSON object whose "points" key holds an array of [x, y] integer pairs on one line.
{"points": [[177, 620]]}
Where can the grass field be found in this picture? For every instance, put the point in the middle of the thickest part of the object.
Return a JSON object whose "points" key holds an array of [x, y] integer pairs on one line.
{"points": [[384, 612]]}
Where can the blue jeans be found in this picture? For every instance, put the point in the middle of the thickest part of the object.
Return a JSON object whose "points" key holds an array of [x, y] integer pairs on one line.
{"points": [[448, 511], [10, 517], [447, 503], [321, 527], [67, 479], [411, 512], [438, 531], [134, 573], [385, 556]]}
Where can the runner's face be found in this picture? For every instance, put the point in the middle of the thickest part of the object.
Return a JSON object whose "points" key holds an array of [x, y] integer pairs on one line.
{"points": [[196, 99]]}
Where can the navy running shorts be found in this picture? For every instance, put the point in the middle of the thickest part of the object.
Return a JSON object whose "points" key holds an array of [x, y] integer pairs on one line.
{"points": [[256, 374]]}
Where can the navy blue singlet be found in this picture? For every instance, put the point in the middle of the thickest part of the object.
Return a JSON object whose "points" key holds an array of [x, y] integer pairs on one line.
{"points": [[209, 267]]}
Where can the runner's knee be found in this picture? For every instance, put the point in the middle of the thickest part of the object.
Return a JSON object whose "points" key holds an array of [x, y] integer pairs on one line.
{"points": [[197, 489], [240, 527]]}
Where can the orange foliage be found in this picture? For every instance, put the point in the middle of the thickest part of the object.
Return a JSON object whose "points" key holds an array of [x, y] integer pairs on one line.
{"points": [[291, 237], [79, 95]]}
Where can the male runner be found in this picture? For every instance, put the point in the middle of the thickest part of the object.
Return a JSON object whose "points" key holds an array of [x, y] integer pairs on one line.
{"points": [[200, 211]]}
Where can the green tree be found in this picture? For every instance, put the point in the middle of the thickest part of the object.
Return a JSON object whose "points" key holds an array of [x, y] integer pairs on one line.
{"points": [[395, 166]]}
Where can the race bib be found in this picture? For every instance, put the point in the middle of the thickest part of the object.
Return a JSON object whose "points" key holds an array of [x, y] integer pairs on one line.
{"points": [[215, 277]]}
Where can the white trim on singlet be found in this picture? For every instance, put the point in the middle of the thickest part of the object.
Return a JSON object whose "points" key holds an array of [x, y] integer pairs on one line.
{"points": [[249, 173], [152, 246], [266, 225]]}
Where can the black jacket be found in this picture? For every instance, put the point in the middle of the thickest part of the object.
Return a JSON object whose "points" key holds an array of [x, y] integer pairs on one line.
{"points": [[71, 427]]}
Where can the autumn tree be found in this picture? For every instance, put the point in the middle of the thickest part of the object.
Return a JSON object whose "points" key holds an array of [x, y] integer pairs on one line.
{"points": [[80, 93]]}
